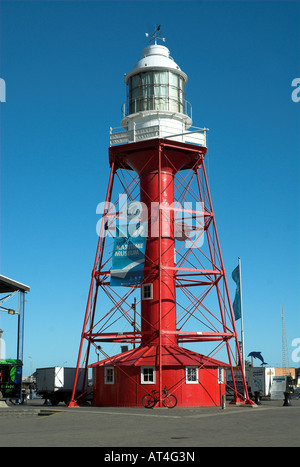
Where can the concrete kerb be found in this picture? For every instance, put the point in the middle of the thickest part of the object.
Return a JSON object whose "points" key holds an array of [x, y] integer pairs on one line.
{"points": [[3, 405]]}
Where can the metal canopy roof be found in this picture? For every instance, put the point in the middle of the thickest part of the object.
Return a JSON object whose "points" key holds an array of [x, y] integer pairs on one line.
{"points": [[10, 285]]}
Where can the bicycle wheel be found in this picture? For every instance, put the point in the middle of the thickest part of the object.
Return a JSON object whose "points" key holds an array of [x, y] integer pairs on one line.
{"points": [[170, 401], [148, 401]]}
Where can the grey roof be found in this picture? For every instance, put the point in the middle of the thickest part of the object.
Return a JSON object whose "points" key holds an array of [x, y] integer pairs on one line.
{"points": [[10, 285]]}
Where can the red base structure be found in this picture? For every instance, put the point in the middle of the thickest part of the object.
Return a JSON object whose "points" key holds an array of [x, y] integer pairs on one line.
{"points": [[128, 390], [188, 301]]}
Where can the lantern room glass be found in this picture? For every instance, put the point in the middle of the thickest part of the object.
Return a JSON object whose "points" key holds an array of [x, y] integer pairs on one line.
{"points": [[156, 90]]}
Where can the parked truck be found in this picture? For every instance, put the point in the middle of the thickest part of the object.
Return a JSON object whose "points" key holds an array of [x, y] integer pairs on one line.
{"points": [[56, 384], [260, 380]]}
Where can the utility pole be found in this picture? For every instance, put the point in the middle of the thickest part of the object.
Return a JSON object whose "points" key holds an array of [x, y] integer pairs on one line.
{"points": [[285, 355]]}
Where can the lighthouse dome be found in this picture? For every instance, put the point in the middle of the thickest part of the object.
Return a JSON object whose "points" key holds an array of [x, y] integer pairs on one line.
{"points": [[156, 57]]}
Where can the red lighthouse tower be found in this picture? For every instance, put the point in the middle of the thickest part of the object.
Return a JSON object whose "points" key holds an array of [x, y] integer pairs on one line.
{"points": [[158, 265]]}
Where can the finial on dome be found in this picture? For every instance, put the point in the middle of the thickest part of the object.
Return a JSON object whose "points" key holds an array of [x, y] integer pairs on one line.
{"points": [[156, 35]]}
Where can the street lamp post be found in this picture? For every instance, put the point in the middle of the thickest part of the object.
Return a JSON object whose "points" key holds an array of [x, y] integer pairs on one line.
{"points": [[1, 344], [11, 311]]}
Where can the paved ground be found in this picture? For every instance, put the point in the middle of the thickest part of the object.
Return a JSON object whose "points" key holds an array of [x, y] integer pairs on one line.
{"points": [[267, 425]]}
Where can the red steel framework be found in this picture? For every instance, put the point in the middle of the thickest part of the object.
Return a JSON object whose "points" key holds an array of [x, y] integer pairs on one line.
{"points": [[191, 303]]}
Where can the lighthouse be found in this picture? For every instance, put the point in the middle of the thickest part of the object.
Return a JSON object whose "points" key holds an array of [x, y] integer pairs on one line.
{"points": [[158, 259]]}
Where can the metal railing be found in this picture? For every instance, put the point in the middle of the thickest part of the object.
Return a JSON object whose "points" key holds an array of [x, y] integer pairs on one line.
{"points": [[120, 136]]}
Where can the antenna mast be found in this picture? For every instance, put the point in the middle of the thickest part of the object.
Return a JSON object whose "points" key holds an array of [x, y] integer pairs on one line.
{"points": [[285, 356]]}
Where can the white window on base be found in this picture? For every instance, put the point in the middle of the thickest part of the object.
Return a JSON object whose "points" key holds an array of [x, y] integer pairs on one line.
{"points": [[109, 375], [147, 291], [147, 375], [191, 375], [221, 376]]}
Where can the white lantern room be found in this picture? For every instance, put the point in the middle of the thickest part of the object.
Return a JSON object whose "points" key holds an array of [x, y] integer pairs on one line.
{"points": [[156, 105]]}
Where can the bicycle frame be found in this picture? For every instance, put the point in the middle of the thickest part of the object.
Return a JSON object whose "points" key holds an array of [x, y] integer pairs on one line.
{"points": [[151, 399]]}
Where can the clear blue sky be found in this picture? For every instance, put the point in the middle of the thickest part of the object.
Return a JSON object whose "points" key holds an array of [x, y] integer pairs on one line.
{"points": [[63, 63]]}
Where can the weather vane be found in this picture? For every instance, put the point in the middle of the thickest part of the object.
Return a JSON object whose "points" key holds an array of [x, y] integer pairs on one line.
{"points": [[156, 35]]}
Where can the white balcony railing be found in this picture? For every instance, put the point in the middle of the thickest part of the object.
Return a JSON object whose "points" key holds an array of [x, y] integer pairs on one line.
{"points": [[193, 136]]}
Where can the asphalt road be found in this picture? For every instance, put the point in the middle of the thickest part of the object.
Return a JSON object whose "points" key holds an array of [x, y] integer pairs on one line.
{"points": [[111, 428]]}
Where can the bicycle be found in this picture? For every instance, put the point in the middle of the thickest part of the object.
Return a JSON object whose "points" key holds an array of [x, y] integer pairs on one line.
{"points": [[169, 400]]}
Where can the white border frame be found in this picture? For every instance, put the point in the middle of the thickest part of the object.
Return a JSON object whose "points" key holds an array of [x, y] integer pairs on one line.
{"points": [[151, 291], [142, 375], [187, 380], [105, 375]]}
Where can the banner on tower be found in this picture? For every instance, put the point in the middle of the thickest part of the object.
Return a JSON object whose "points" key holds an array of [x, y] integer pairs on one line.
{"points": [[128, 256], [237, 299]]}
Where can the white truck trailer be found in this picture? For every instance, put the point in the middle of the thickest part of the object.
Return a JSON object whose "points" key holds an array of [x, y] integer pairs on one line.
{"points": [[56, 383], [260, 380]]}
